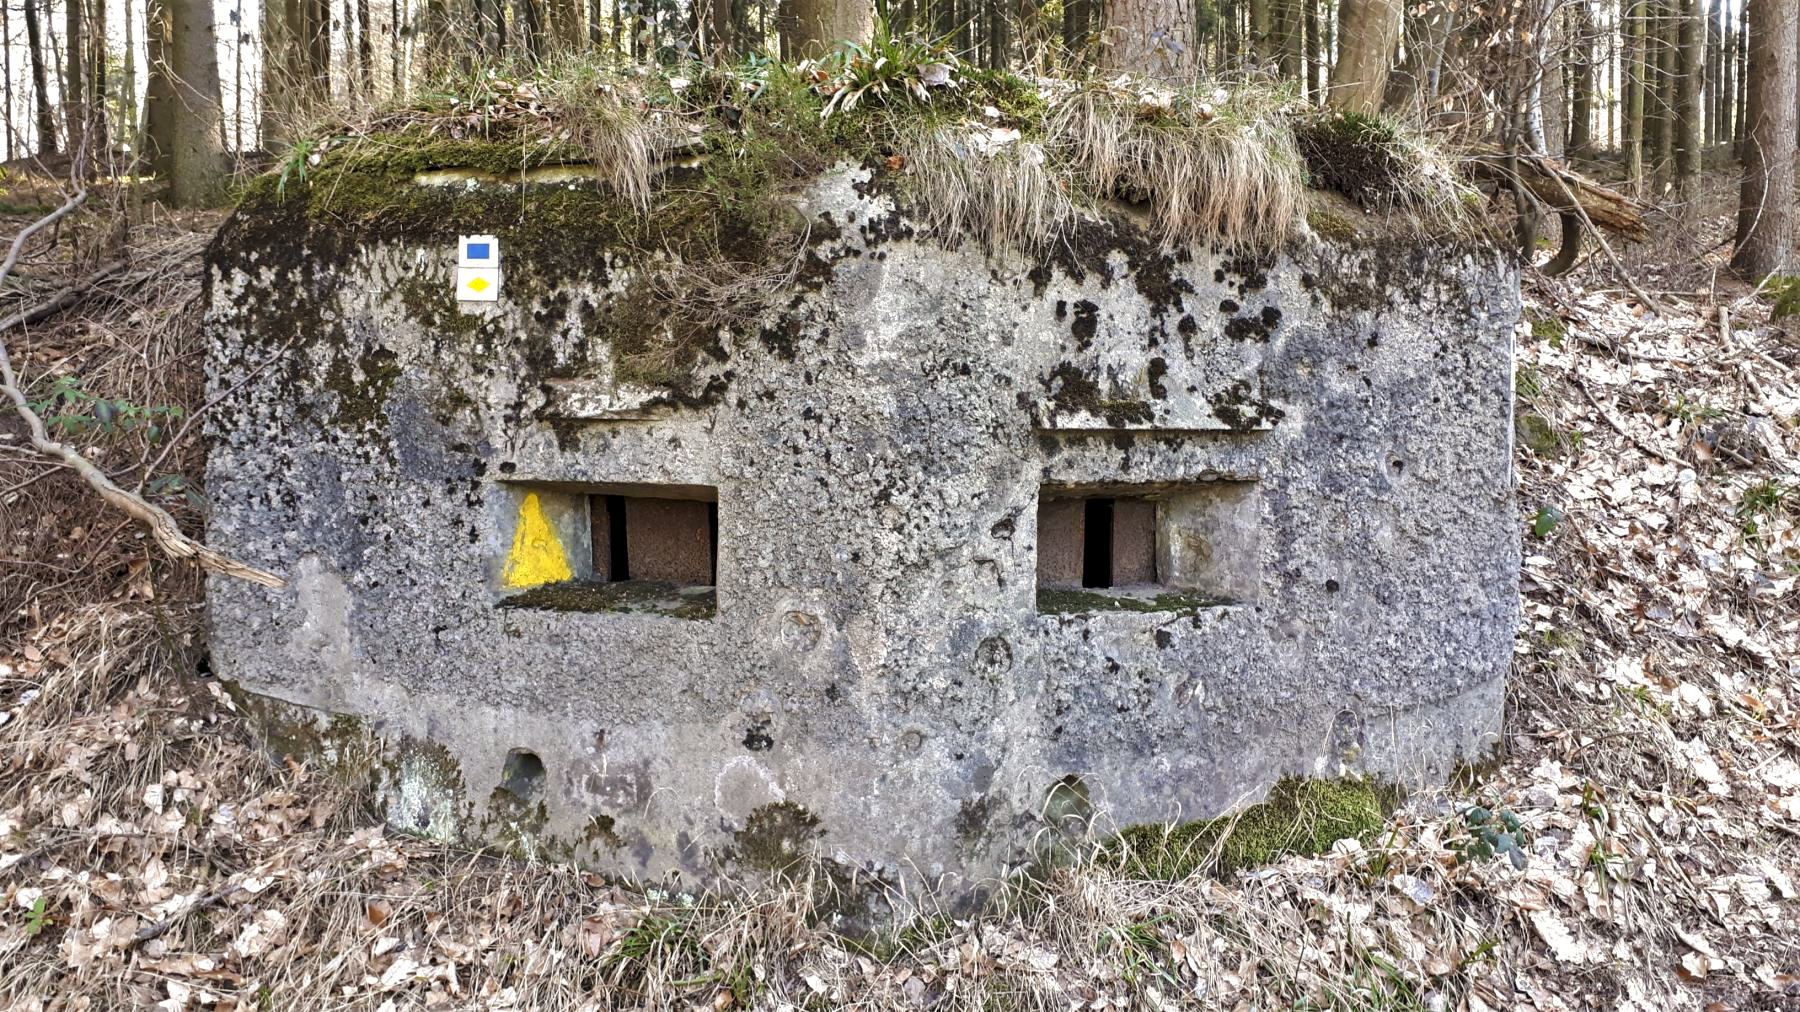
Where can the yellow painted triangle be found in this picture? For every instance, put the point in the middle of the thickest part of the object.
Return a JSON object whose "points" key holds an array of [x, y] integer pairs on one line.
{"points": [[537, 555], [479, 284]]}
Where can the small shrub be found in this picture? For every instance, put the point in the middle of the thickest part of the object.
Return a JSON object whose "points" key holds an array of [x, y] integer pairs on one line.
{"points": [[1785, 289], [1484, 835]]}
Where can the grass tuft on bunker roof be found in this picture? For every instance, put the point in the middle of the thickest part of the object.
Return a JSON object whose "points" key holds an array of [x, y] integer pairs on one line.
{"points": [[1013, 162]]}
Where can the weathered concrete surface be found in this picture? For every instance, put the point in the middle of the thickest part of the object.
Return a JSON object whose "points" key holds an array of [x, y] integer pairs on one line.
{"points": [[877, 685]]}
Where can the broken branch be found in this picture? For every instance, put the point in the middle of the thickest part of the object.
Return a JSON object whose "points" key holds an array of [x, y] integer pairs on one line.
{"points": [[162, 526]]}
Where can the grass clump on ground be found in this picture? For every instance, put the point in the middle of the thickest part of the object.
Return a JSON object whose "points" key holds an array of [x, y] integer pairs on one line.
{"points": [[1303, 817]]}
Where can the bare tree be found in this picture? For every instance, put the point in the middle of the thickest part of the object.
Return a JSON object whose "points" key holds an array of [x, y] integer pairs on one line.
{"points": [[1765, 223]]}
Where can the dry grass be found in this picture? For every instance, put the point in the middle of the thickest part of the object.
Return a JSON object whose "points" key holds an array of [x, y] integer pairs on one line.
{"points": [[1214, 165], [1005, 194]]}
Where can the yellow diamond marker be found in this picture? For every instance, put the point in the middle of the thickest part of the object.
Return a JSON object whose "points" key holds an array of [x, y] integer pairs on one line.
{"points": [[478, 284], [537, 555]]}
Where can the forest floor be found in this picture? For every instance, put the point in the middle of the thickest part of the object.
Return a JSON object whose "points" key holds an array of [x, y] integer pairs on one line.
{"points": [[151, 857]]}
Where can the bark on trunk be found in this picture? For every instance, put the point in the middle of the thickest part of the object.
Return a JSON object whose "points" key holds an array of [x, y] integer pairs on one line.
{"points": [[1154, 38], [74, 78], [1632, 129], [200, 175], [1765, 222], [44, 115], [1687, 93], [159, 91], [820, 24], [1367, 32], [1581, 85]]}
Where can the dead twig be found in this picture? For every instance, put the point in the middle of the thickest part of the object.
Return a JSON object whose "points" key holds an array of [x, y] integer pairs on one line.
{"points": [[61, 300], [1606, 247], [162, 526], [159, 928], [1619, 427]]}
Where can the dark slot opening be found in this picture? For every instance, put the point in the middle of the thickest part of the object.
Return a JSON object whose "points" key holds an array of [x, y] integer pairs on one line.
{"points": [[619, 567], [712, 527], [1096, 543]]}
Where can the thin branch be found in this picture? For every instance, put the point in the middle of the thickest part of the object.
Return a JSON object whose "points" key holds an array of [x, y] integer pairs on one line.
{"points": [[162, 526]]}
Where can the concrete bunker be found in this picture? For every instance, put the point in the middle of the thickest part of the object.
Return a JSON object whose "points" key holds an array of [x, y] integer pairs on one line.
{"points": [[925, 534]]}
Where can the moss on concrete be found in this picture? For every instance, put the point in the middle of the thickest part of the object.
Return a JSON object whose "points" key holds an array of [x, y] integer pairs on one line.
{"points": [[640, 596], [1333, 227], [1298, 817], [776, 837], [1054, 601]]}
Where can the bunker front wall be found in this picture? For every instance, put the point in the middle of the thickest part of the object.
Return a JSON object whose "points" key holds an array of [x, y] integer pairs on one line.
{"points": [[1324, 435]]}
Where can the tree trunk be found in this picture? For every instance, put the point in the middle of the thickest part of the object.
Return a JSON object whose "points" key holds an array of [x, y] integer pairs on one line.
{"points": [[1367, 31], [1550, 96], [365, 50], [1290, 38], [75, 81], [200, 176], [1632, 129], [721, 27], [45, 115], [157, 147], [313, 33], [1315, 83], [128, 112], [12, 136], [1765, 222], [1077, 17], [95, 100], [1259, 30], [1154, 38], [1714, 78], [1581, 85], [1656, 90], [1687, 93], [820, 24]]}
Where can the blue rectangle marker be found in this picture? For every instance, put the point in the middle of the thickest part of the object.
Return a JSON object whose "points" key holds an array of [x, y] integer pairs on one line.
{"points": [[478, 251]]}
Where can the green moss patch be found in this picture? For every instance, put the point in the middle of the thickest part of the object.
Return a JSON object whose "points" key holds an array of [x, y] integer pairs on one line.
{"points": [[1299, 817], [640, 596], [1549, 328], [1334, 227], [1056, 601], [1538, 435]]}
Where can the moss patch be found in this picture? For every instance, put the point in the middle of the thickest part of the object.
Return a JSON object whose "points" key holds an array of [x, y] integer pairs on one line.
{"points": [[1549, 328], [1538, 435], [1074, 391], [1356, 155], [1334, 227], [1299, 817], [640, 596], [1051, 601], [775, 837]]}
